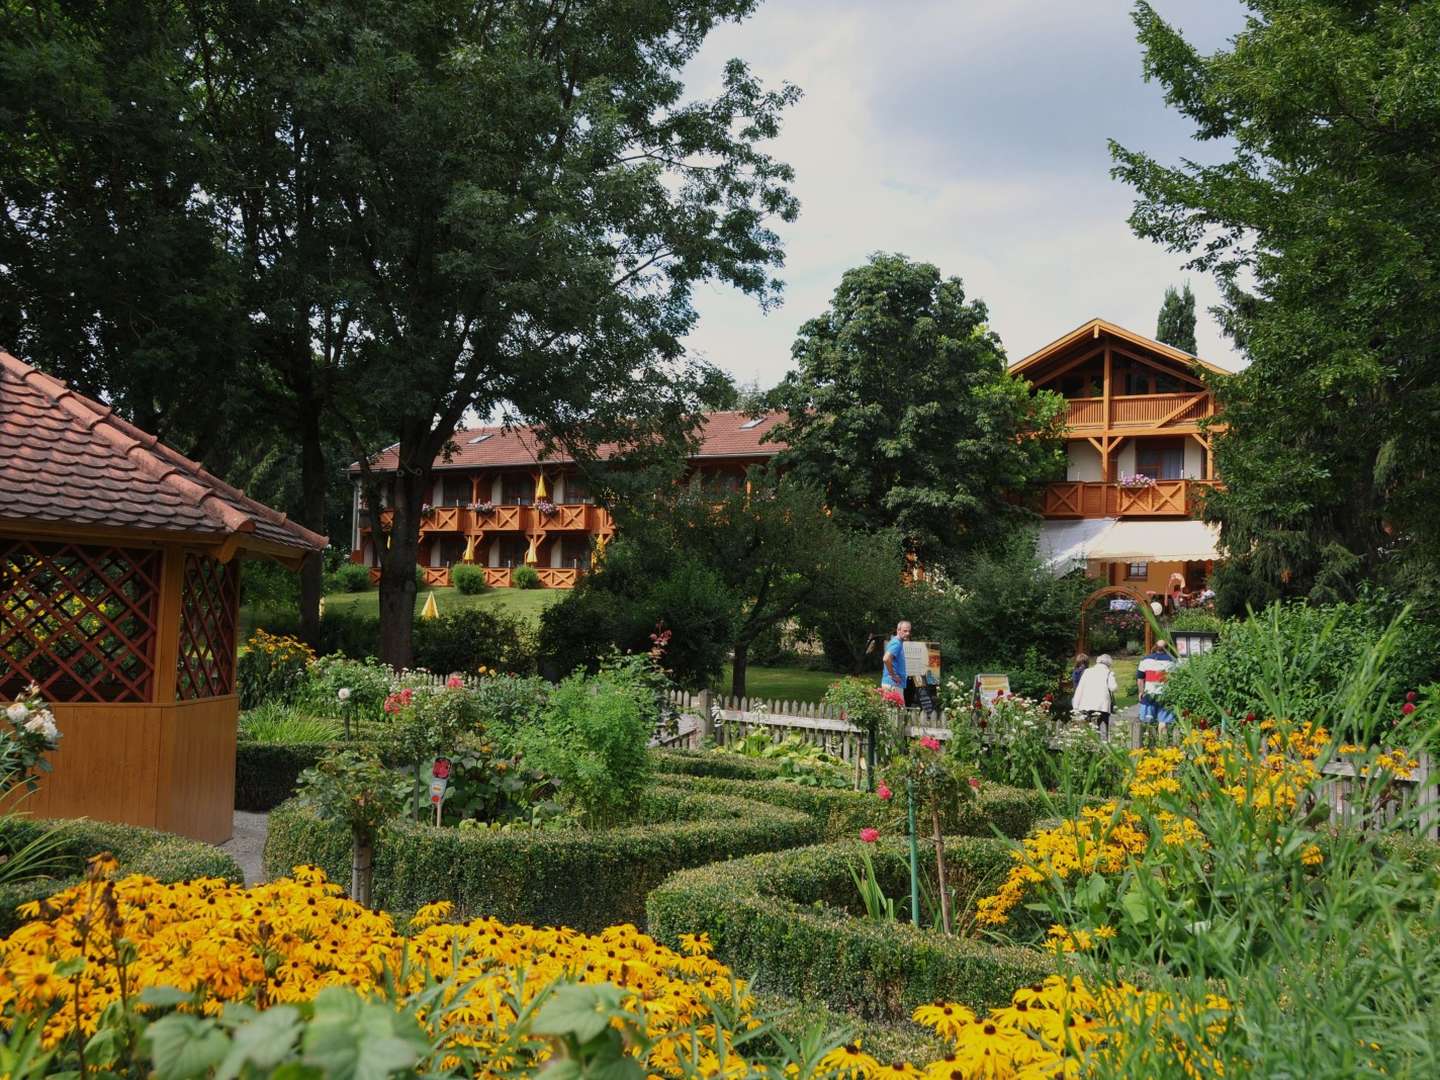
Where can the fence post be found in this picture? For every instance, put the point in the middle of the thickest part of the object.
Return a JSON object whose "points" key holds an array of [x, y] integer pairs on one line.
{"points": [[707, 721]]}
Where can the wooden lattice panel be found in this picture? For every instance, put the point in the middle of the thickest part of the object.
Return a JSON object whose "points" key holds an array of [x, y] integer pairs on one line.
{"points": [[78, 620], [209, 602]]}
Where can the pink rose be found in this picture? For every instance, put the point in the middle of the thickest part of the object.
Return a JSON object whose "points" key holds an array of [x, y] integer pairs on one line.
{"points": [[869, 835], [975, 782], [929, 742], [454, 682], [884, 791]]}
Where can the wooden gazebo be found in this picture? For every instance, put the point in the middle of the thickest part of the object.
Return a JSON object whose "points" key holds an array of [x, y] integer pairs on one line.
{"points": [[119, 595]]}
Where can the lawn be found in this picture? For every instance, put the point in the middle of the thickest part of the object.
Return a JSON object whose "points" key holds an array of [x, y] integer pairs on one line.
{"points": [[527, 603], [781, 684]]}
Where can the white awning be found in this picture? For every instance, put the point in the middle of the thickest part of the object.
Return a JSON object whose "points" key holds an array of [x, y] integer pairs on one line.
{"points": [[1066, 544], [1157, 541], [1063, 545]]}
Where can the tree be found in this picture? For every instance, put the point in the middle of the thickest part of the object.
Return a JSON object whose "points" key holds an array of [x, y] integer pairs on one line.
{"points": [[1320, 228], [901, 412], [1176, 324]]}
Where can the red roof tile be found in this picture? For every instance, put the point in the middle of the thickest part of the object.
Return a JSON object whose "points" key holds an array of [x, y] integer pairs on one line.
{"points": [[722, 435], [71, 461]]}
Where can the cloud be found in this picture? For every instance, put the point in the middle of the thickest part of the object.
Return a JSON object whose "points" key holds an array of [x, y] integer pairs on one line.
{"points": [[971, 135]]}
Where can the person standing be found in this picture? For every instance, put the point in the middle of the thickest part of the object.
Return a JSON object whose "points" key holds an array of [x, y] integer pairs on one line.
{"points": [[1081, 663], [892, 674], [1150, 675], [1095, 694]]}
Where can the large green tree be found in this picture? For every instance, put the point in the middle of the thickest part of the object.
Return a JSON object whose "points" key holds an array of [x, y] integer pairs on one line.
{"points": [[901, 412], [1319, 223], [1176, 322]]}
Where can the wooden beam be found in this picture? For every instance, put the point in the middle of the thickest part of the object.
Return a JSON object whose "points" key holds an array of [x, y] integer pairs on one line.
{"points": [[1063, 368], [1108, 389], [1180, 409], [1148, 362]]}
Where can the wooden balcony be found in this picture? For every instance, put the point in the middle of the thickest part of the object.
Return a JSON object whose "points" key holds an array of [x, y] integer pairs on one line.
{"points": [[497, 577], [1138, 411], [464, 521], [1165, 498]]}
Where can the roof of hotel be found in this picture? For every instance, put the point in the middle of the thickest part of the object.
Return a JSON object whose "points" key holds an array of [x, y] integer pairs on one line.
{"points": [[71, 461], [722, 435], [1093, 329]]}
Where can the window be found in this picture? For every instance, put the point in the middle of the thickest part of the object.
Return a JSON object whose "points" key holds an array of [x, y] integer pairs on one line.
{"points": [[455, 491], [512, 548], [748, 424], [451, 550], [575, 551], [1137, 571], [576, 489], [518, 489], [1163, 459], [481, 438]]}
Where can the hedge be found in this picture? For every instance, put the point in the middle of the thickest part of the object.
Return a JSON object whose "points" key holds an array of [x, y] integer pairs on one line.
{"points": [[786, 919], [570, 877], [163, 856], [265, 773], [839, 813], [715, 764]]}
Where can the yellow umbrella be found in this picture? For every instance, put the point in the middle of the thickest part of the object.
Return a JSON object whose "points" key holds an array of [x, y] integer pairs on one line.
{"points": [[431, 610], [532, 556], [469, 550], [541, 491]]}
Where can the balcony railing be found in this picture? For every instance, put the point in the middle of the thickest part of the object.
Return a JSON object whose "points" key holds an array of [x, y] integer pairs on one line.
{"points": [[462, 520], [1165, 498], [1138, 410], [497, 577]]}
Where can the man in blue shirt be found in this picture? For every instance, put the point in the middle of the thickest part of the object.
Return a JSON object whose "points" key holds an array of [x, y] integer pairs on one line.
{"points": [[892, 677]]}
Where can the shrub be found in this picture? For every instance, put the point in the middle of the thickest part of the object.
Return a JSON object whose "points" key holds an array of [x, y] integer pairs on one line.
{"points": [[266, 773], [350, 578], [525, 577], [1196, 620], [508, 704], [276, 723], [466, 638], [140, 851], [272, 668], [369, 682], [469, 580], [576, 877], [591, 741], [787, 918]]}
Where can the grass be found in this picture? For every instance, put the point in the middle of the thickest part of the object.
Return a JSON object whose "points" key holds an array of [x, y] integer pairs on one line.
{"points": [[528, 604], [781, 684], [1124, 669]]}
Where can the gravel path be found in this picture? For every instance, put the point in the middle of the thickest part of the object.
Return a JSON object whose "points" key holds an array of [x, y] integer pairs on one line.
{"points": [[247, 844]]}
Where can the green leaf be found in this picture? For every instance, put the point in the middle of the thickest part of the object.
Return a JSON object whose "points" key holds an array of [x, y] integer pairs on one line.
{"points": [[581, 1012], [264, 1042], [185, 1046], [1133, 902], [163, 997]]}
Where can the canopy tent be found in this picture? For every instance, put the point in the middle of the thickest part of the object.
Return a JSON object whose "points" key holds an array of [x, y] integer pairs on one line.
{"points": [[1063, 544]]}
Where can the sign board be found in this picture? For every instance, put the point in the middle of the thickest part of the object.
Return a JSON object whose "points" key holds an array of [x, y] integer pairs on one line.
{"points": [[987, 687], [922, 661], [1193, 642]]}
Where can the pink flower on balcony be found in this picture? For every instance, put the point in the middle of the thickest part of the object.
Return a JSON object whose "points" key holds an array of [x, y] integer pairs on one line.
{"points": [[869, 835]]}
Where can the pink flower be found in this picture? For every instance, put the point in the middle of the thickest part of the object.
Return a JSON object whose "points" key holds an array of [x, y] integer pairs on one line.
{"points": [[441, 769], [1410, 695], [929, 742], [454, 682], [975, 782], [884, 791], [1408, 708], [893, 697], [869, 835]]}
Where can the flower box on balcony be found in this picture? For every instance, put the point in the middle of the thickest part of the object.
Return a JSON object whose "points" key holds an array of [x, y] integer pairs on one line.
{"points": [[1136, 482]]}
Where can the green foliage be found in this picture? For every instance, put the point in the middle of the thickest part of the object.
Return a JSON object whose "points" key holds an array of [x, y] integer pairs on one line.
{"points": [[354, 789], [465, 639], [265, 583], [266, 774], [1195, 620], [350, 578], [276, 723], [878, 906], [858, 701], [344, 630], [1317, 649], [591, 742], [585, 878], [271, 669], [790, 918], [423, 724], [1176, 322], [1316, 220], [368, 682], [902, 414], [141, 851], [800, 762], [525, 577], [468, 579]]}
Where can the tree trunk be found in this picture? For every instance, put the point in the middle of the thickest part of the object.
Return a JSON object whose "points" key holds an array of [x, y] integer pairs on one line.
{"points": [[737, 670], [940, 869], [312, 497], [362, 870], [397, 573]]}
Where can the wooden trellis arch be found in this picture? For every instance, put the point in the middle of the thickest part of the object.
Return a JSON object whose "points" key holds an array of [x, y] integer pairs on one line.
{"points": [[1142, 605]]}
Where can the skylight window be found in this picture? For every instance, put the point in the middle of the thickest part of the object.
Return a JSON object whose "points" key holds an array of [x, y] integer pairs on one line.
{"points": [[748, 424], [481, 438]]}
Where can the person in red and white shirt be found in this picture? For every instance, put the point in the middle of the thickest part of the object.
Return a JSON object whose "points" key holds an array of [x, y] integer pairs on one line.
{"points": [[1150, 676]]}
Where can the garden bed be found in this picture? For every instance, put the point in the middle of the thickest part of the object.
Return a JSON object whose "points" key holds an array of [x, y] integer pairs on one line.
{"points": [[791, 920], [567, 877], [162, 856]]}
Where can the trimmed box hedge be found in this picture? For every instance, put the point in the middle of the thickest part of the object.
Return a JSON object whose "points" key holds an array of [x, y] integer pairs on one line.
{"points": [[265, 773], [839, 813], [792, 921], [570, 877], [163, 856]]}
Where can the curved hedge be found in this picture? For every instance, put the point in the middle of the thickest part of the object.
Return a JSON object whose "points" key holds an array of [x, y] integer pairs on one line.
{"points": [[265, 773], [790, 920], [163, 856], [571, 877], [839, 813]]}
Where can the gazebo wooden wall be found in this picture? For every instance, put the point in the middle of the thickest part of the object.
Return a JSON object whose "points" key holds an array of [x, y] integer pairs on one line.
{"points": [[133, 642]]}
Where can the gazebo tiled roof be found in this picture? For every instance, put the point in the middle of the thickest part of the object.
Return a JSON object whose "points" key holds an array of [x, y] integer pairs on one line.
{"points": [[722, 435], [70, 461]]}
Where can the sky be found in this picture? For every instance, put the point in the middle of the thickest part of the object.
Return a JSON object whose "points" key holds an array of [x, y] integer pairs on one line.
{"points": [[971, 134]]}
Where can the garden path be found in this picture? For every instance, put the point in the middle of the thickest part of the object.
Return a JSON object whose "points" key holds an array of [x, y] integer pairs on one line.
{"points": [[247, 844]]}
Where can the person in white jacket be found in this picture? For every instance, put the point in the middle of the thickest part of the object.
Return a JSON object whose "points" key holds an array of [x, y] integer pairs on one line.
{"points": [[1095, 696]]}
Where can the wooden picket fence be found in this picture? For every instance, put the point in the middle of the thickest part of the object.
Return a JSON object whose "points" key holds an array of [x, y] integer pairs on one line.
{"points": [[727, 720]]}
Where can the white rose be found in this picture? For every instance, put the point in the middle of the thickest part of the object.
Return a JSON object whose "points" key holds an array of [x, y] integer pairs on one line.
{"points": [[17, 713], [42, 723], [344, 694]]}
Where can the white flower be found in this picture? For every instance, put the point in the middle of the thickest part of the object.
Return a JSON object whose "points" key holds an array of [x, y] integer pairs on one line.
{"points": [[17, 713], [42, 723], [344, 694]]}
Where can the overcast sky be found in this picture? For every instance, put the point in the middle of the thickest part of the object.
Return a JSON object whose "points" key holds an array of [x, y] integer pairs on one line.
{"points": [[971, 134]]}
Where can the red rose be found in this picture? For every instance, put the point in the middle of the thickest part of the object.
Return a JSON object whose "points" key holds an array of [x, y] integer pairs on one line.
{"points": [[1410, 695], [441, 769], [1249, 718], [1407, 708]]}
